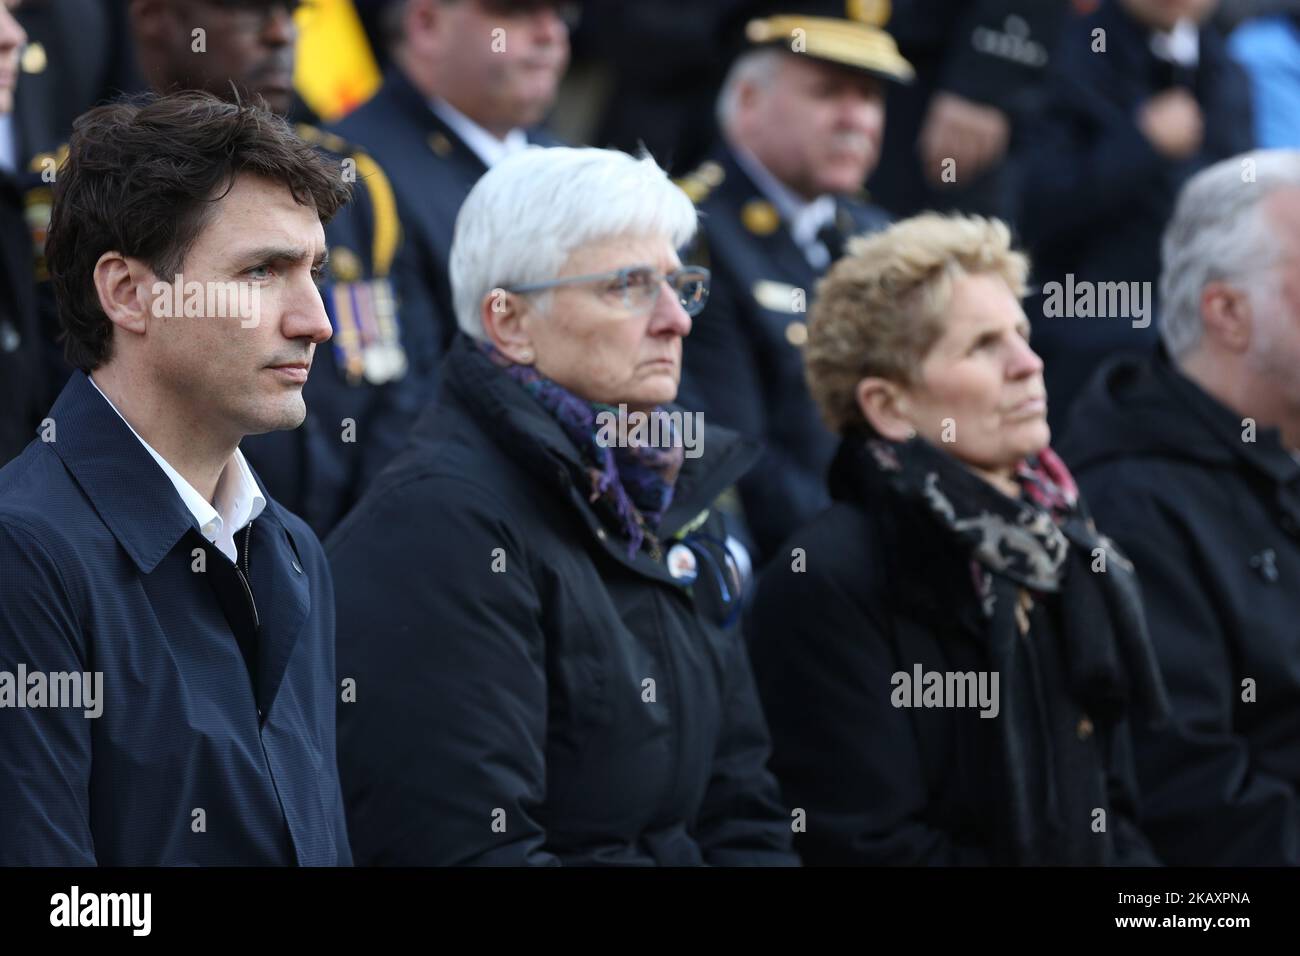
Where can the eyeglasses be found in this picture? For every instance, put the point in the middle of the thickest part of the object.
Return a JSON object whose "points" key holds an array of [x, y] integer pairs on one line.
{"points": [[637, 287]]}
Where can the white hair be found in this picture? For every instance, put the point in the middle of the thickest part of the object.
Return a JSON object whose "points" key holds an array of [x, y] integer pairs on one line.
{"points": [[1218, 231], [758, 67], [529, 212]]}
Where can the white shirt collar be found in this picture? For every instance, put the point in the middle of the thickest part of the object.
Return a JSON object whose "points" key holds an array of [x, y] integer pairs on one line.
{"points": [[8, 146], [1181, 45], [486, 146], [803, 219], [238, 498]]}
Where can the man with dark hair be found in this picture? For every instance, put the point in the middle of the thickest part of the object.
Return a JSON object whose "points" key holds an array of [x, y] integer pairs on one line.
{"points": [[360, 401], [166, 672]]}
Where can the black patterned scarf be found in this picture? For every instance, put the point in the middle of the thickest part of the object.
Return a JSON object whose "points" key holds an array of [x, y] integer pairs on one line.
{"points": [[1042, 542]]}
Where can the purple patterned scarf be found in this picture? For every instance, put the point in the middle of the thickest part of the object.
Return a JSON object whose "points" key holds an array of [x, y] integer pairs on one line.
{"points": [[631, 486]]}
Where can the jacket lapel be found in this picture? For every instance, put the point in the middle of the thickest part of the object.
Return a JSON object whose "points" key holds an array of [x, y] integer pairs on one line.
{"points": [[778, 246], [140, 506], [283, 595], [130, 493]]}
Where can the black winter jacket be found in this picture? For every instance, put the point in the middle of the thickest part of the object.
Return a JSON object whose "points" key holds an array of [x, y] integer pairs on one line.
{"points": [[1212, 524], [525, 693], [876, 586]]}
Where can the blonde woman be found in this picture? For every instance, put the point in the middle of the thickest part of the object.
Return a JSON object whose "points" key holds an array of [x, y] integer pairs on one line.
{"points": [[949, 654]]}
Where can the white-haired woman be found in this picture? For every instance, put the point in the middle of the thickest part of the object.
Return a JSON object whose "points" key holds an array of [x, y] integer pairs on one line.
{"points": [[949, 654], [536, 604]]}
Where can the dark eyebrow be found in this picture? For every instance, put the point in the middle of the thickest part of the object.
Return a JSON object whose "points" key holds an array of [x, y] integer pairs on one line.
{"points": [[284, 254]]}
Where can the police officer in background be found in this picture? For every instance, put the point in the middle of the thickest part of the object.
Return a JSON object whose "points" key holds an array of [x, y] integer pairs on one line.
{"points": [[76, 56], [22, 390], [981, 69], [468, 83], [802, 114], [360, 402]]}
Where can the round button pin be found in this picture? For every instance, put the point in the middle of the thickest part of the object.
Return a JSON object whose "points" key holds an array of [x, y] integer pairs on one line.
{"points": [[682, 564]]}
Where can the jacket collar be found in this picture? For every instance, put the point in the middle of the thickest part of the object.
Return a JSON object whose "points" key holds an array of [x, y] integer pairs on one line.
{"points": [[922, 558], [132, 496], [484, 144], [417, 109], [528, 433], [439, 138], [793, 209], [1265, 454], [768, 231], [850, 215]]}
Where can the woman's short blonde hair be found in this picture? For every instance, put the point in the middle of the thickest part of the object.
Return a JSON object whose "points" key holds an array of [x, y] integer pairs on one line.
{"points": [[881, 308]]}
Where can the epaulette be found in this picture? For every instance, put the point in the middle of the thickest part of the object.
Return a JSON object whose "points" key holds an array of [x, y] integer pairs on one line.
{"points": [[701, 181], [318, 137], [388, 227]]}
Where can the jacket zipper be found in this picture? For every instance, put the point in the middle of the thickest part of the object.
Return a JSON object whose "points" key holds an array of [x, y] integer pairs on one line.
{"points": [[257, 622], [243, 576]]}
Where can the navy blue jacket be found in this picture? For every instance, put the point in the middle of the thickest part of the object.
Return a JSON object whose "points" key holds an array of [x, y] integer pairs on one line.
{"points": [[98, 559], [432, 171], [742, 365]]}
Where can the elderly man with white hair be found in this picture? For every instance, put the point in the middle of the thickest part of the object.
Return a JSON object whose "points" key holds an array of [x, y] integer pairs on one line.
{"points": [[537, 603], [801, 130], [1190, 460]]}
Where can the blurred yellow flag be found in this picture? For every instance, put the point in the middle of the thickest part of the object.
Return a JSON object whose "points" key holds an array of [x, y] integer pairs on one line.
{"points": [[336, 70]]}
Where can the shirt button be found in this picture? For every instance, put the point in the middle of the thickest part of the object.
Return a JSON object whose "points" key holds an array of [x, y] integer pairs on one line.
{"points": [[297, 567], [600, 533]]}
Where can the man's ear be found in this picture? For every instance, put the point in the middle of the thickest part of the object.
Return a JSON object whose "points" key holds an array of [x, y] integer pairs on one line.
{"points": [[423, 20], [153, 24], [1226, 316], [748, 94], [125, 288], [503, 316], [884, 406]]}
